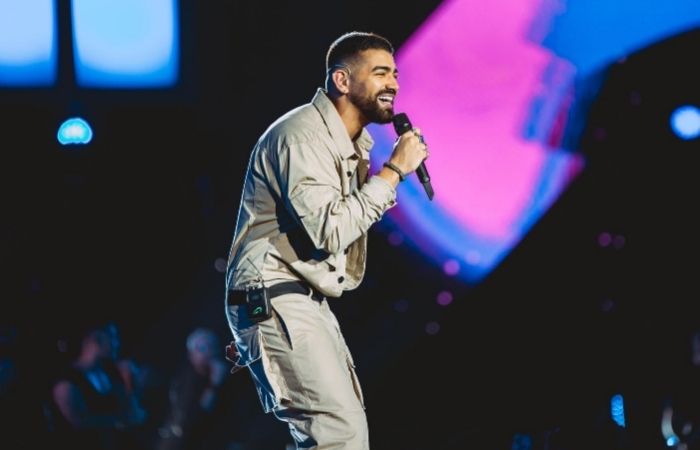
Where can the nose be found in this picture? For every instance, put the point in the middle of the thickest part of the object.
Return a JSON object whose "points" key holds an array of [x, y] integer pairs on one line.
{"points": [[393, 83]]}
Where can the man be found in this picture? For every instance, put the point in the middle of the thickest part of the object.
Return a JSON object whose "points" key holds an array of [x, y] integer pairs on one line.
{"points": [[301, 236]]}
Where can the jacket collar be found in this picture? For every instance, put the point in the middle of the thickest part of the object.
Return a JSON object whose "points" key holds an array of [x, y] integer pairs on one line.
{"points": [[337, 129]]}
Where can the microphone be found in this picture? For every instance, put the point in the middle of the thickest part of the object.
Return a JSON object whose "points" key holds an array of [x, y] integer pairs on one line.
{"points": [[403, 125]]}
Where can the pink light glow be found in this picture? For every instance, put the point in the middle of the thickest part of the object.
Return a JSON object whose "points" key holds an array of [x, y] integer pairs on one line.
{"points": [[471, 98], [491, 85]]}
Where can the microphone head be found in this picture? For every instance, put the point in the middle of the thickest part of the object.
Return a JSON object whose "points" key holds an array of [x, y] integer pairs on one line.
{"points": [[401, 123]]}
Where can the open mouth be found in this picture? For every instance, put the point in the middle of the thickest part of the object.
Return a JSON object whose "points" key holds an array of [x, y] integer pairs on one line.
{"points": [[386, 100]]}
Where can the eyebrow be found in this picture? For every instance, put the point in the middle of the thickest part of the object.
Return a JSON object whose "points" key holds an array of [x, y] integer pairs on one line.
{"points": [[385, 68]]}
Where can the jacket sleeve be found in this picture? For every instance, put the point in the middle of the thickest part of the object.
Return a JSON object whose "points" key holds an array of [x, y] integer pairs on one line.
{"points": [[311, 184]]}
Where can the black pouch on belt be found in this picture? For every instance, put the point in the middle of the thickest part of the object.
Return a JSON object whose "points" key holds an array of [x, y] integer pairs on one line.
{"points": [[258, 304]]}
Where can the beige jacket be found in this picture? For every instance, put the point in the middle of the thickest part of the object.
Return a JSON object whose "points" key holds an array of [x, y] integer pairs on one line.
{"points": [[300, 216]]}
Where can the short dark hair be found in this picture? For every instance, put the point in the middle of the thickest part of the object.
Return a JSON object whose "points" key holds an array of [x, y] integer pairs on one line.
{"points": [[350, 44]]}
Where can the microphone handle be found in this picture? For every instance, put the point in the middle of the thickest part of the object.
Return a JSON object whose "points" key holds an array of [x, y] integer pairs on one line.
{"points": [[424, 178], [422, 173]]}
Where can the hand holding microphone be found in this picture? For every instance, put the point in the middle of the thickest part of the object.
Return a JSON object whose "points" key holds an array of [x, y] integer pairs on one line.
{"points": [[410, 152]]}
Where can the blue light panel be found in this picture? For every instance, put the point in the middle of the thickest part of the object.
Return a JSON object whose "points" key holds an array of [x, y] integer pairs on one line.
{"points": [[126, 43], [28, 43]]}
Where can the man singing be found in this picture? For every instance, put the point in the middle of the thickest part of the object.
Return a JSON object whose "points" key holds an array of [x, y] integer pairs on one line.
{"points": [[308, 201]]}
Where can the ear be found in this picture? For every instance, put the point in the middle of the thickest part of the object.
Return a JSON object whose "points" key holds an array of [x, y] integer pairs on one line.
{"points": [[341, 80]]}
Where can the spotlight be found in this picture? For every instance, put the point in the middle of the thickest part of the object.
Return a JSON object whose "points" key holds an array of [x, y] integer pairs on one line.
{"points": [[685, 122], [74, 131]]}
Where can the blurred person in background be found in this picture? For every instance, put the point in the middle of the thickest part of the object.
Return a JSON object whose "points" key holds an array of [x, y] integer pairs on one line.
{"points": [[95, 401], [206, 409], [195, 416]]}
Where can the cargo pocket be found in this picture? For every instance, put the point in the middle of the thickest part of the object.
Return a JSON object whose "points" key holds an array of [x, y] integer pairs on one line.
{"points": [[349, 361], [248, 345], [248, 340]]}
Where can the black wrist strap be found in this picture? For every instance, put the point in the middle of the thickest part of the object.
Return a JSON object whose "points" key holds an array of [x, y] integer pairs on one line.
{"points": [[393, 167]]}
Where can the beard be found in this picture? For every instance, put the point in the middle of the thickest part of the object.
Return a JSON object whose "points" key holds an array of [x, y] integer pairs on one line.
{"points": [[370, 107]]}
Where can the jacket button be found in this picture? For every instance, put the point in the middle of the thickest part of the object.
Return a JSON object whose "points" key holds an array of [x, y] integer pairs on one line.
{"points": [[341, 279], [348, 173]]}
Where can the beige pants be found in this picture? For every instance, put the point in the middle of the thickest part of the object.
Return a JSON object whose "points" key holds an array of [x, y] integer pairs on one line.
{"points": [[304, 372]]}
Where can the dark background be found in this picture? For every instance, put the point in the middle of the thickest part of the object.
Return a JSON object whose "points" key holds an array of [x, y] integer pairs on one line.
{"points": [[131, 226]]}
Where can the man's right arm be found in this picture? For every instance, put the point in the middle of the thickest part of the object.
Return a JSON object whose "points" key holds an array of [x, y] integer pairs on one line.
{"points": [[311, 185]]}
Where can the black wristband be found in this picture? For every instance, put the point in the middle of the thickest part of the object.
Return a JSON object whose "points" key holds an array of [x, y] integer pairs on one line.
{"points": [[391, 166]]}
